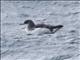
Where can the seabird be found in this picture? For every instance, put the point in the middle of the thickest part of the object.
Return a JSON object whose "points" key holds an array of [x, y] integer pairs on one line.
{"points": [[33, 26]]}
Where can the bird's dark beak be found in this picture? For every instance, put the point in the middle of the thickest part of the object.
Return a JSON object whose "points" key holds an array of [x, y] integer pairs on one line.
{"points": [[21, 24]]}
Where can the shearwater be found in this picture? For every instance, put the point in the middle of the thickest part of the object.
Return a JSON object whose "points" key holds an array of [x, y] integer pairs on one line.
{"points": [[32, 26]]}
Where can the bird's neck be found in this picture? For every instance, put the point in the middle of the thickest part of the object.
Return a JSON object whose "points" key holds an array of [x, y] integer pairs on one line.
{"points": [[31, 26]]}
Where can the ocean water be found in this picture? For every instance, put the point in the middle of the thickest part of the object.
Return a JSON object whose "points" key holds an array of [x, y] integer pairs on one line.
{"points": [[16, 44]]}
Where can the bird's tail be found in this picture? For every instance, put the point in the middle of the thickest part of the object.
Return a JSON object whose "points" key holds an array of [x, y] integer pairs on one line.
{"points": [[56, 27]]}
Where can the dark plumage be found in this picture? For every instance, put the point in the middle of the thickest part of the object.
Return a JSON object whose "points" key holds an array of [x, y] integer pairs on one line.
{"points": [[31, 26]]}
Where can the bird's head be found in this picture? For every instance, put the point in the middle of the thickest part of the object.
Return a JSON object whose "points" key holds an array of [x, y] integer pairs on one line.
{"points": [[27, 22]]}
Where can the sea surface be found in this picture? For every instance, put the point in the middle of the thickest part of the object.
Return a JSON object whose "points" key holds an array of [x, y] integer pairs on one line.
{"points": [[16, 44]]}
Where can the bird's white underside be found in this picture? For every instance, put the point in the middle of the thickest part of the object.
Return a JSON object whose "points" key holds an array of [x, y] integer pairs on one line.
{"points": [[36, 30]]}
